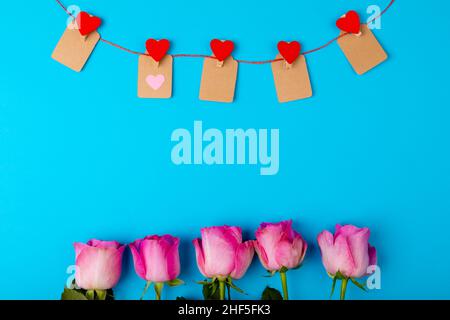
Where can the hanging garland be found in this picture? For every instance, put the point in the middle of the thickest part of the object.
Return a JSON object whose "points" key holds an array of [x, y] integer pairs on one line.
{"points": [[219, 75]]}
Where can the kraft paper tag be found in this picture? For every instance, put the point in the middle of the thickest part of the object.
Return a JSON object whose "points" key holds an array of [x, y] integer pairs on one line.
{"points": [[155, 79], [364, 52], [218, 82], [73, 50], [291, 82]]}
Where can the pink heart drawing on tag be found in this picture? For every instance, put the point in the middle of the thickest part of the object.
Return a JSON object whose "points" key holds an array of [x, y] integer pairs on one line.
{"points": [[155, 82]]}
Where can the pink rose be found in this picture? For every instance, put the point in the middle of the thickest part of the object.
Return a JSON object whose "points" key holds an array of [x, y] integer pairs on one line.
{"points": [[221, 253], [278, 246], [348, 251], [156, 259], [98, 264]]}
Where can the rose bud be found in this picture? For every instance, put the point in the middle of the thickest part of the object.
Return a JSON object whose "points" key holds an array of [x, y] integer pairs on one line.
{"points": [[221, 254], [280, 248], [98, 264], [156, 259], [347, 254]]}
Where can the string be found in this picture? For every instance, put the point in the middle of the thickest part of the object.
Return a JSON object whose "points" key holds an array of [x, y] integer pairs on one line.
{"points": [[185, 55]]}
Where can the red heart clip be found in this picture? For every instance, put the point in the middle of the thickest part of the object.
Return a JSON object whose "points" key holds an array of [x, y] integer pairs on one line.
{"points": [[350, 23], [157, 49], [289, 50], [222, 49], [87, 23]]}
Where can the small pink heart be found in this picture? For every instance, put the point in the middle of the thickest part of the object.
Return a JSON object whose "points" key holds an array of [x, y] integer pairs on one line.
{"points": [[155, 82]]}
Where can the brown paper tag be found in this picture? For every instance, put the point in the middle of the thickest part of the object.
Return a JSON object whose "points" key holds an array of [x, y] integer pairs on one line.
{"points": [[155, 79], [218, 83], [364, 52], [291, 82], [73, 50]]}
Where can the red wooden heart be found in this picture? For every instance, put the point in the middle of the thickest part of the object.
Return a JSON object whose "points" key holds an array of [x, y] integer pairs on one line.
{"points": [[157, 49], [289, 50], [350, 23], [87, 23], [222, 49]]}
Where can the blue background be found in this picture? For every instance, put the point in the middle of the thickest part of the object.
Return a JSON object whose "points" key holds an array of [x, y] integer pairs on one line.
{"points": [[82, 157]]}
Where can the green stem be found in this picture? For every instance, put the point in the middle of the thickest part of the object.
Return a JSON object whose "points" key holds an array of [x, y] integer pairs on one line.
{"points": [[158, 290], [344, 288], [145, 289], [284, 285], [222, 289]]}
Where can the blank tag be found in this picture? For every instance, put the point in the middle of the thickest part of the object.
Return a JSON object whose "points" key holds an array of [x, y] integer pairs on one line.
{"points": [[155, 80], [291, 83], [218, 83], [73, 50], [364, 52]]}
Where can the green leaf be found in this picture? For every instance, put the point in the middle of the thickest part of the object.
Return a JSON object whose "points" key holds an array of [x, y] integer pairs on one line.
{"points": [[271, 294], [110, 295], [101, 294], [214, 286], [144, 292], [81, 294], [72, 294], [175, 283], [359, 285], [333, 286], [230, 283], [90, 295], [210, 291], [158, 286]]}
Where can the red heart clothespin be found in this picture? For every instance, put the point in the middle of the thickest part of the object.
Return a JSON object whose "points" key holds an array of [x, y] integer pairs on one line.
{"points": [[157, 49], [289, 50], [87, 23], [222, 49], [350, 23]]}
